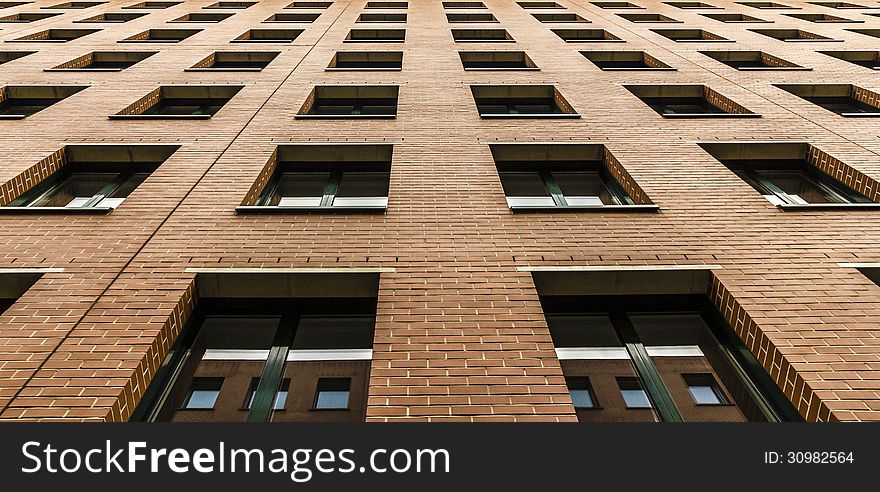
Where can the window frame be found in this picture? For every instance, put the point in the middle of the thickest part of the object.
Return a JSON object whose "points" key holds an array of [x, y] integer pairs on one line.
{"points": [[331, 189], [316, 408], [587, 386]]}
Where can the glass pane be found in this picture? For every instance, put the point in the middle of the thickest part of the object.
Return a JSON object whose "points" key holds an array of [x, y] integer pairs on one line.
{"points": [[581, 398], [704, 395], [334, 332], [75, 190], [116, 197], [332, 399], [523, 184], [582, 331], [800, 188], [363, 184], [203, 394], [300, 189], [633, 393], [584, 188], [281, 395]]}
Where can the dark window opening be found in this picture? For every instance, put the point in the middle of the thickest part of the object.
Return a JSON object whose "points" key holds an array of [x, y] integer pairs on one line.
{"points": [[687, 101], [162, 36], [550, 18], [791, 35], [481, 35], [332, 394], [8, 56], [376, 36], [366, 60], [20, 101], [733, 18], [114, 17], [691, 5], [106, 60], [821, 18], [843, 99], [203, 394], [690, 35], [464, 5], [309, 5], [750, 60], [366, 101], [387, 18], [616, 5], [387, 5], [57, 35], [766, 5], [470, 18], [24, 17], [236, 60], [230, 5], [540, 5], [867, 59], [581, 393], [75, 5], [268, 36], [521, 101], [496, 60], [152, 5], [648, 18], [704, 389], [181, 101], [624, 60], [297, 17], [840, 5], [585, 35], [203, 17]]}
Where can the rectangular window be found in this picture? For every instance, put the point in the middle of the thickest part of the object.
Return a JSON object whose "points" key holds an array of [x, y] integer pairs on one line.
{"points": [[280, 394], [180, 101], [161, 36], [24, 17], [751, 60], [14, 284], [840, 5], [616, 5], [203, 394], [704, 390], [376, 36], [464, 5], [152, 5], [296, 17], [634, 394], [105, 61], [652, 18], [691, 5], [820, 18], [843, 99], [691, 36], [8, 56], [867, 59], [366, 60], [733, 18], [688, 101], [540, 5], [496, 60], [387, 5], [332, 394], [75, 5], [455, 18], [235, 61], [481, 36], [351, 101], [624, 60], [309, 5], [113, 17], [383, 18], [54, 35], [521, 101], [268, 36], [792, 35], [230, 5], [766, 5], [586, 35], [559, 18], [582, 396], [203, 17], [21, 101]]}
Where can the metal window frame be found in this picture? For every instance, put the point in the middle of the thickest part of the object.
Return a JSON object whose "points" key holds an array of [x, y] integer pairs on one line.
{"points": [[331, 189], [618, 195], [51, 185], [837, 190]]}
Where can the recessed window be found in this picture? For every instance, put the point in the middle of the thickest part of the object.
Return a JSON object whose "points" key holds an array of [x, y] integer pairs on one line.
{"points": [[387, 5], [24, 17], [688, 101], [366, 60], [324, 178], [558, 18], [734, 18], [230, 5], [280, 394], [114, 17], [540, 5], [867, 59], [582, 396], [56, 35], [235, 61], [843, 99], [874, 33], [383, 17], [376, 36], [648, 18], [565, 176], [89, 178], [841, 5], [203, 394], [633, 393], [295, 17], [21, 101], [14, 284], [268, 36], [464, 5], [152, 5], [586, 36], [790, 35], [767, 5], [75, 5], [821, 18], [692, 5], [752, 60], [691, 36], [624, 60], [8, 56], [161, 36], [105, 61], [309, 5], [351, 101], [180, 102], [456, 18], [704, 389], [496, 60], [521, 101], [796, 175], [616, 5], [203, 17], [481, 36], [332, 394], [7, 5]]}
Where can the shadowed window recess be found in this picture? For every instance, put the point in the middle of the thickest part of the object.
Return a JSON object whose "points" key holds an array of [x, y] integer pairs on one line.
{"points": [[180, 101], [21, 101], [752, 60], [351, 101], [521, 101], [624, 60], [161, 36], [376, 36], [586, 35], [496, 60], [104, 61], [843, 99], [867, 59], [688, 101], [235, 61], [366, 60], [691, 36]]}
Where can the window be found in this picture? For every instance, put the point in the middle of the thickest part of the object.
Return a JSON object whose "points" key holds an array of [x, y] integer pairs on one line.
{"points": [[566, 17], [821, 18], [280, 394], [616, 5], [691, 5], [14, 284], [56, 35], [113, 17], [733, 18], [376, 36], [624, 60], [843, 99], [385, 18], [332, 394], [366, 60], [230, 5], [790, 35], [387, 5], [867, 59], [581, 393], [654, 18], [105, 61], [795, 176], [874, 33], [688, 101], [840, 5], [180, 101], [481, 36], [23, 17], [351, 101], [496, 60], [564, 176], [309, 5], [75, 5], [90, 178], [152, 5], [296, 17], [235, 61], [8, 56], [456, 18], [21, 101], [634, 394], [464, 5], [704, 390], [690, 35], [752, 60], [203, 394], [766, 5], [268, 36], [325, 178], [540, 5], [521, 101], [202, 17], [161, 36], [7, 5], [586, 35]]}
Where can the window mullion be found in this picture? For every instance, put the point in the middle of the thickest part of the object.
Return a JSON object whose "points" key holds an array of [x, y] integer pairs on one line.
{"points": [[553, 188], [646, 369], [108, 189], [270, 189], [331, 188], [772, 188], [270, 379]]}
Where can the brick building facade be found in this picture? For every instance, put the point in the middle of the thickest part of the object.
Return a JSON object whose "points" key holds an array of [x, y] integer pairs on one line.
{"points": [[97, 295]]}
